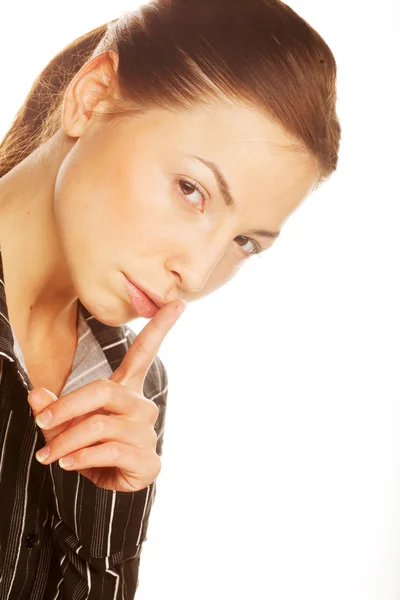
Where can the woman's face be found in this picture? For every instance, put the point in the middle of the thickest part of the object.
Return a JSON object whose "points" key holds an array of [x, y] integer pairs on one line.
{"points": [[126, 202]]}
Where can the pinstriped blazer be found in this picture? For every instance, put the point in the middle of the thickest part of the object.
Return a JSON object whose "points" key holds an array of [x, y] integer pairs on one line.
{"points": [[62, 536]]}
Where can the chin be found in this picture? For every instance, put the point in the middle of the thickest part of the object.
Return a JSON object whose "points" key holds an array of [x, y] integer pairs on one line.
{"points": [[113, 314]]}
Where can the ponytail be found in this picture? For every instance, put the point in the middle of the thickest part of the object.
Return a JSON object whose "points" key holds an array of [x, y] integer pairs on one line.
{"points": [[38, 117]]}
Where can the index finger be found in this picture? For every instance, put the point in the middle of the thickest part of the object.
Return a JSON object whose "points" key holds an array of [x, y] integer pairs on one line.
{"points": [[142, 352]]}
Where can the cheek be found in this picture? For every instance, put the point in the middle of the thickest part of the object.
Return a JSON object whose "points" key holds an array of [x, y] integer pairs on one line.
{"points": [[90, 199], [223, 272]]}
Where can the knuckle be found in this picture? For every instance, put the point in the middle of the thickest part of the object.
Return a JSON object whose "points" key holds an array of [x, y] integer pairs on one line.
{"points": [[132, 395], [96, 422], [153, 410], [148, 409], [116, 450], [148, 465], [156, 466], [154, 437], [101, 389], [148, 440]]}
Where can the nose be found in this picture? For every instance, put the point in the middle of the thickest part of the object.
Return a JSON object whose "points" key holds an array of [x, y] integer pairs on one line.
{"points": [[197, 261]]}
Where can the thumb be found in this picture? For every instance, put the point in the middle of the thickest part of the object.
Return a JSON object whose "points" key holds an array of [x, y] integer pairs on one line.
{"points": [[40, 398]]}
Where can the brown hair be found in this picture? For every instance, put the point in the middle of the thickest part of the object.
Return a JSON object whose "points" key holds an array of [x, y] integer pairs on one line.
{"points": [[175, 53]]}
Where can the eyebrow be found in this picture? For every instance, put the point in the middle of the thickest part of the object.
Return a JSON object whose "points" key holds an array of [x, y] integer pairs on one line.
{"points": [[227, 194]]}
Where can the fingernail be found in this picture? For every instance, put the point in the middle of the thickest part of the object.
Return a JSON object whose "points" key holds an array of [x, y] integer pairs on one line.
{"points": [[42, 454], [182, 302], [44, 418], [52, 394], [67, 461]]}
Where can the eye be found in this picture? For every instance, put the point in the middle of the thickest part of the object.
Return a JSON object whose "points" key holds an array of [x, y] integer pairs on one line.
{"points": [[256, 246], [191, 188]]}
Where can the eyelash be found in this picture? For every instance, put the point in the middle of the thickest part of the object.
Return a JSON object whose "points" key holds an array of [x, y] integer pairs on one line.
{"points": [[196, 187]]}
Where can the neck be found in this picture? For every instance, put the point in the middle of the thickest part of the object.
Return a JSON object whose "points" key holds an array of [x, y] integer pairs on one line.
{"points": [[39, 292]]}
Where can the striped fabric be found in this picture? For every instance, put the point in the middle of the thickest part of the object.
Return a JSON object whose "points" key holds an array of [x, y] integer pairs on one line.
{"points": [[61, 535]]}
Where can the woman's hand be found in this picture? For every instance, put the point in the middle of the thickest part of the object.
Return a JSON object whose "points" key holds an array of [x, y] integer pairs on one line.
{"points": [[107, 426]]}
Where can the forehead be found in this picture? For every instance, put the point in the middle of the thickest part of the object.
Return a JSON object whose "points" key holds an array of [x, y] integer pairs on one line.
{"points": [[254, 153]]}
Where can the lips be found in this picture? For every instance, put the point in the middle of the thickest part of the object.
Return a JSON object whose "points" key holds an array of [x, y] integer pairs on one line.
{"points": [[155, 299], [144, 305]]}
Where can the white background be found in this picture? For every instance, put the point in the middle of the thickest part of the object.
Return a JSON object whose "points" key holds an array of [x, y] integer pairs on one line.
{"points": [[281, 474]]}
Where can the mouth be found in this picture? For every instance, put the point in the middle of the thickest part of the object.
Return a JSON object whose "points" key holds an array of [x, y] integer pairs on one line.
{"points": [[145, 303]]}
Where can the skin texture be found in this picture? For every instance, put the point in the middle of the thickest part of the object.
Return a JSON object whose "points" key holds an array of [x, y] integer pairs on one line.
{"points": [[106, 197], [102, 198], [113, 414]]}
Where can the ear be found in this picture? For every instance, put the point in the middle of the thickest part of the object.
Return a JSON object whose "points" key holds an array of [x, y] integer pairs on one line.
{"points": [[89, 88]]}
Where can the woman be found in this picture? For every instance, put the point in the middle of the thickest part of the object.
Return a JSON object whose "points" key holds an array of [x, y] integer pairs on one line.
{"points": [[152, 158]]}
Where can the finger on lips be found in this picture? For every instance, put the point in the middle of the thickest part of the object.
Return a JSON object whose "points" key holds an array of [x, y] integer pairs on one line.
{"points": [[123, 434], [143, 350], [130, 374]]}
